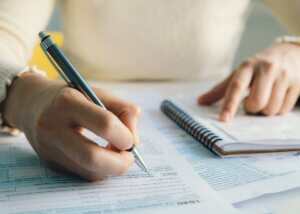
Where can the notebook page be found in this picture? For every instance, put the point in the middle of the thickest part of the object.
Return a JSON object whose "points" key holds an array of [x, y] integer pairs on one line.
{"points": [[244, 127], [27, 186]]}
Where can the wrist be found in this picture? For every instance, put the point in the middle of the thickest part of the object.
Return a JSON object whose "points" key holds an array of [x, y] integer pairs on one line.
{"points": [[19, 97]]}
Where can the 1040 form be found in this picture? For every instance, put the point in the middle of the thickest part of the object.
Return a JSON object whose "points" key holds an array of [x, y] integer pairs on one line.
{"points": [[27, 186]]}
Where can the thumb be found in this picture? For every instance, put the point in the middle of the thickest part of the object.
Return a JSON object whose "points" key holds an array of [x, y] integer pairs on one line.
{"points": [[214, 94]]}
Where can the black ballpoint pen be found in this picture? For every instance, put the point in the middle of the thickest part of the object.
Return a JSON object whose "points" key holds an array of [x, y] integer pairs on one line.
{"points": [[69, 73]]}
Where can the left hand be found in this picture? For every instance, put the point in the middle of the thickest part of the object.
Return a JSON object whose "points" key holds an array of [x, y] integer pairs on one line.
{"points": [[273, 79]]}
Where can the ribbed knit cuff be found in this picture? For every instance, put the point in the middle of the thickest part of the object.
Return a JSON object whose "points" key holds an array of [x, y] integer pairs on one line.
{"points": [[288, 39]]}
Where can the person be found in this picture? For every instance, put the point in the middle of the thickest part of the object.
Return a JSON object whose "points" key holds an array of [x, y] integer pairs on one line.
{"points": [[134, 40]]}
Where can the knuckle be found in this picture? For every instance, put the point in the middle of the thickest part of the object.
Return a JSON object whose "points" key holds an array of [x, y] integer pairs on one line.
{"points": [[247, 62], [266, 71], [236, 85], [283, 74], [265, 67], [91, 159], [136, 110], [266, 64], [107, 124], [64, 97]]}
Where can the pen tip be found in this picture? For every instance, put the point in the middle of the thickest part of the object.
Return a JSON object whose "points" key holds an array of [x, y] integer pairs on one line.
{"points": [[147, 171]]}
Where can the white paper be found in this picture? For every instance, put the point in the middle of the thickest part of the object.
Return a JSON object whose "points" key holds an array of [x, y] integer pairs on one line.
{"points": [[247, 128], [27, 186], [237, 179]]}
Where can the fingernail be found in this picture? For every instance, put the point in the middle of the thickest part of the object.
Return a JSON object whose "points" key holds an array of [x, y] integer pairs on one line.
{"points": [[225, 116]]}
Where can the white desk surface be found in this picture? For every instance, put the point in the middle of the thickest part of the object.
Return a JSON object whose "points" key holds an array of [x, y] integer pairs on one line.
{"points": [[284, 202]]}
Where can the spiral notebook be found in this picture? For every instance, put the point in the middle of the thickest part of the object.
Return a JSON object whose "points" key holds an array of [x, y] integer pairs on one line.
{"points": [[245, 135]]}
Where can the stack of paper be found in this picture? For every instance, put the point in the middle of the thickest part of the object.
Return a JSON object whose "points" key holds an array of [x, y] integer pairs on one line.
{"points": [[237, 179], [27, 186], [185, 176]]}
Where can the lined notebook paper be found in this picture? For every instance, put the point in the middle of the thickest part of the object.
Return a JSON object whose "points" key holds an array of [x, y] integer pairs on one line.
{"points": [[224, 140]]}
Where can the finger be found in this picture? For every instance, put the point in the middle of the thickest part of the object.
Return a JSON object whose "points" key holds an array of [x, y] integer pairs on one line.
{"points": [[261, 88], [290, 99], [215, 94], [238, 84], [91, 157], [128, 113], [276, 100], [102, 122], [63, 164], [114, 103]]}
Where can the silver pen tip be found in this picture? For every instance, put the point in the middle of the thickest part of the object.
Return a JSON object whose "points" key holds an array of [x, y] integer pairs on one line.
{"points": [[139, 161]]}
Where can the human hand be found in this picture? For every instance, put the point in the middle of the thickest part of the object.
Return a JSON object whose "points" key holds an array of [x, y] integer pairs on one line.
{"points": [[52, 117], [272, 77]]}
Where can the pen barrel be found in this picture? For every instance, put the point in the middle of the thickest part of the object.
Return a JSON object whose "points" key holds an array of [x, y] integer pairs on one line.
{"points": [[69, 73], [72, 74], [64, 64]]}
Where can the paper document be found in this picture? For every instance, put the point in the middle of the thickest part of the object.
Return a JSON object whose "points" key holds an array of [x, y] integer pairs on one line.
{"points": [[237, 179], [27, 186], [246, 128]]}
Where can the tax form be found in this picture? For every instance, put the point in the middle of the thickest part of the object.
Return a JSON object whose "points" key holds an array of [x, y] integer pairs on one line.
{"points": [[237, 179], [27, 186]]}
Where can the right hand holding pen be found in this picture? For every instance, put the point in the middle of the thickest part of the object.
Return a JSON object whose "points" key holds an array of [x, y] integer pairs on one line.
{"points": [[52, 116]]}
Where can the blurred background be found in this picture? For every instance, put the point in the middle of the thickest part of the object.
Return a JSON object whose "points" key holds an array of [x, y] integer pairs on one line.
{"points": [[260, 31]]}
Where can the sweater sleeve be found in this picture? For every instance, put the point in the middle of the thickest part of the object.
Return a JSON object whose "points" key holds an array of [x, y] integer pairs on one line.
{"points": [[20, 22], [287, 13]]}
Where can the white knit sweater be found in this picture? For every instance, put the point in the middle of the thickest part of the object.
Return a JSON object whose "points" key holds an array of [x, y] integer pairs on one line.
{"points": [[135, 39]]}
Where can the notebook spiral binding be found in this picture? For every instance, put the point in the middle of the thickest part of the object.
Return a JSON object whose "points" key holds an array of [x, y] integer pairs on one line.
{"points": [[191, 126]]}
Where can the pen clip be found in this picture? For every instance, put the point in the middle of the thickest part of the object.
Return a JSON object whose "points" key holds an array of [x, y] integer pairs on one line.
{"points": [[57, 68]]}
